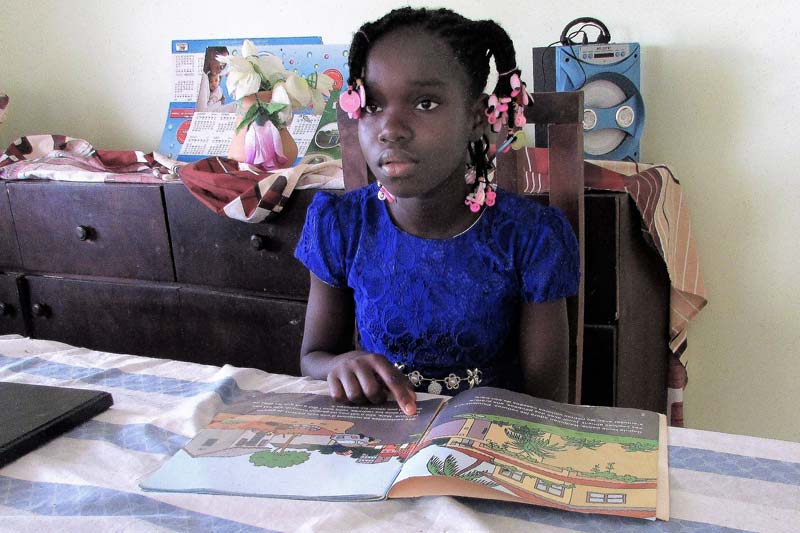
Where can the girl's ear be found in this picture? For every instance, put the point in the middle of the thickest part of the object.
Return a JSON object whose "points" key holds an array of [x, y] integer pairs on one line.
{"points": [[478, 113]]}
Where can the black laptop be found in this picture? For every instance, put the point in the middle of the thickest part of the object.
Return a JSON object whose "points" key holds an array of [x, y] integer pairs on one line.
{"points": [[31, 415]]}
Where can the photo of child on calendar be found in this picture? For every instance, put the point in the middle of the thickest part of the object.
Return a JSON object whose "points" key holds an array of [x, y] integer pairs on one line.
{"points": [[213, 95]]}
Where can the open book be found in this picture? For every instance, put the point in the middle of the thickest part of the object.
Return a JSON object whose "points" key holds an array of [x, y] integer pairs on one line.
{"points": [[484, 443]]}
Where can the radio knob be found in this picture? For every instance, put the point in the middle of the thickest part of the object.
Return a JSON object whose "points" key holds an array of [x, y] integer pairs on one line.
{"points": [[625, 116], [589, 119]]}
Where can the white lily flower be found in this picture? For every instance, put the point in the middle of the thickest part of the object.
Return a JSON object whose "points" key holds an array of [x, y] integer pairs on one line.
{"points": [[298, 90], [226, 59], [249, 48], [270, 65], [280, 96], [242, 79], [324, 84], [323, 88], [318, 102]]}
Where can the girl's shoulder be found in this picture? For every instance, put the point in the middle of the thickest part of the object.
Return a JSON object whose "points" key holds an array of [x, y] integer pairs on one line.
{"points": [[530, 220], [346, 203], [345, 210], [521, 208]]}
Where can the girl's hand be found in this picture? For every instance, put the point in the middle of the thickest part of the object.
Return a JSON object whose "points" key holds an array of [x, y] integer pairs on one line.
{"points": [[358, 377]]}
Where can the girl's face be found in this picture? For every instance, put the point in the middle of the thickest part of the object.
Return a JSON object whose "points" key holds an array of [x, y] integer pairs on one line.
{"points": [[419, 115]]}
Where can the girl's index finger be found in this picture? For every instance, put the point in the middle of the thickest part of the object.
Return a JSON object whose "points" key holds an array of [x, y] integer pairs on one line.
{"points": [[400, 389]]}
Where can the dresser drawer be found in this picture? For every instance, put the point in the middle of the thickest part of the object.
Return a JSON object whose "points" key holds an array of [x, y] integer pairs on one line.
{"points": [[11, 317], [220, 328], [101, 229], [122, 317], [221, 252], [9, 251]]}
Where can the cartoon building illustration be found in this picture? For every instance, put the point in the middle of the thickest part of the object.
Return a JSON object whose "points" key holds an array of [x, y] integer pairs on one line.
{"points": [[230, 435], [527, 464]]}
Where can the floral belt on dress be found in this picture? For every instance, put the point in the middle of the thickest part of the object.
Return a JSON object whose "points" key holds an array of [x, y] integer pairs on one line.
{"points": [[452, 381]]}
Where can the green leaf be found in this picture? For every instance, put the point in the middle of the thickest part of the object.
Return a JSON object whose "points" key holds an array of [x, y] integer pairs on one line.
{"points": [[274, 107], [450, 466], [435, 466], [248, 117]]}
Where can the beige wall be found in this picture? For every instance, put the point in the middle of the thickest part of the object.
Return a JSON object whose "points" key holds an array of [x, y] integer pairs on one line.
{"points": [[720, 83]]}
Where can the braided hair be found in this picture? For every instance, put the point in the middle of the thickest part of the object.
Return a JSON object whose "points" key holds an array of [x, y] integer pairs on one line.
{"points": [[472, 42]]}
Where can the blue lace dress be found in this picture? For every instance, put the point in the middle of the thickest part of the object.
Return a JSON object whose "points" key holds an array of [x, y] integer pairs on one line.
{"points": [[442, 306]]}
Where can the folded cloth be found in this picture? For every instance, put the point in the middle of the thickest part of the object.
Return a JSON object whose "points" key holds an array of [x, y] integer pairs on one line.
{"points": [[237, 190], [63, 158], [249, 193], [658, 196]]}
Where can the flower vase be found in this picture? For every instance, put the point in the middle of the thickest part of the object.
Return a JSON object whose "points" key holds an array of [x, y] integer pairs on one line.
{"points": [[262, 145]]}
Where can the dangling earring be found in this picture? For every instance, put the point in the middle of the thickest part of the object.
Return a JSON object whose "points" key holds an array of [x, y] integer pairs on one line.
{"points": [[484, 194], [479, 175], [383, 194]]}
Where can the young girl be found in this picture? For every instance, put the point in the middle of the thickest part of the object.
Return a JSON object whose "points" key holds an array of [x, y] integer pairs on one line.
{"points": [[449, 282]]}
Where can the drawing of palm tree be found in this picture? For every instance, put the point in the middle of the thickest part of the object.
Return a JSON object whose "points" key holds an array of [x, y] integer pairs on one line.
{"points": [[583, 442], [449, 468], [641, 446], [531, 443]]}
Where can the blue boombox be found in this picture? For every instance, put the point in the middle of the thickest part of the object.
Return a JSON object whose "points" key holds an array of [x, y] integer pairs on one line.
{"points": [[609, 76]]}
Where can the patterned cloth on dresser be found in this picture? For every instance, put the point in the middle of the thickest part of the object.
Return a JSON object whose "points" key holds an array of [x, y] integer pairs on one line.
{"points": [[59, 157], [441, 306]]}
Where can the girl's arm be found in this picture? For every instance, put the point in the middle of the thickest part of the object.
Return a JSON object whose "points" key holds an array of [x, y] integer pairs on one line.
{"points": [[544, 349], [327, 353]]}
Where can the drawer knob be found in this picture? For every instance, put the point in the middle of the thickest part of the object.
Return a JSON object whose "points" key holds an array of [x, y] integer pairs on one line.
{"points": [[84, 233], [41, 310], [5, 309], [258, 242]]}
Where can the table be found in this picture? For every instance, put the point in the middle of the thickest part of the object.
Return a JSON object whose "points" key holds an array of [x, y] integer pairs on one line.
{"points": [[88, 479]]}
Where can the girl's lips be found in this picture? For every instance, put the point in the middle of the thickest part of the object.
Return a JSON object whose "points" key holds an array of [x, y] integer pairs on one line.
{"points": [[396, 164], [398, 168]]}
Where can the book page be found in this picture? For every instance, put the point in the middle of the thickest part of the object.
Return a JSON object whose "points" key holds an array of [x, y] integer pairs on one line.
{"points": [[296, 446], [492, 443]]}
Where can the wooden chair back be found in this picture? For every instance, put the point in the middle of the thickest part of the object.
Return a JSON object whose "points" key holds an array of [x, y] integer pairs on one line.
{"points": [[563, 114]]}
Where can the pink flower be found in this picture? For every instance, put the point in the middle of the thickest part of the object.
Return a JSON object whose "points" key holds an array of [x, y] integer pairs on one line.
{"points": [[263, 146]]}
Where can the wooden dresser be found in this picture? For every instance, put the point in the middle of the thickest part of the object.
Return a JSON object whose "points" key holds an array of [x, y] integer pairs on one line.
{"points": [[147, 269]]}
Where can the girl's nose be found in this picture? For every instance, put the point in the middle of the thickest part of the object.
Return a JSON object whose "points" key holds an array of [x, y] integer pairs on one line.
{"points": [[394, 129]]}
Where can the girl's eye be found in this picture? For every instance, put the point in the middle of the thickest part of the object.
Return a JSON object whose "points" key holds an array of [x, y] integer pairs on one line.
{"points": [[371, 109], [427, 105]]}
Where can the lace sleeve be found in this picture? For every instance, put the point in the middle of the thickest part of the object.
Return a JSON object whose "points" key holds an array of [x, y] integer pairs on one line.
{"points": [[550, 265], [321, 246]]}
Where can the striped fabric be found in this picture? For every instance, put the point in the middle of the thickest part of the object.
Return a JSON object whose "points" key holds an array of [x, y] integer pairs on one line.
{"points": [[64, 158], [247, 192], [236, 190], [658, 196], [88, 479]]}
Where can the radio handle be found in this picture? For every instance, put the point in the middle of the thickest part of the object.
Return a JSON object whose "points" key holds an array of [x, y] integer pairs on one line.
{"points": [[603, 38]]}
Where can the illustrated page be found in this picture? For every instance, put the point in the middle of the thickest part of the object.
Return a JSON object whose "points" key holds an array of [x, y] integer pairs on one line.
{"points": [[493, 443], [296, 446]]}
